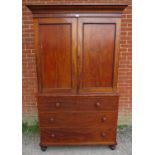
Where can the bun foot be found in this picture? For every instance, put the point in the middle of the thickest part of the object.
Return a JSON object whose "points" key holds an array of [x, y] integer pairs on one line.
{"points": [[43, 148], [112, 147]]}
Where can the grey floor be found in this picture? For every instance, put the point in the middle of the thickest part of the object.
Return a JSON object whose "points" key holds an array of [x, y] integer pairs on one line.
{"points": [[124, 147]]}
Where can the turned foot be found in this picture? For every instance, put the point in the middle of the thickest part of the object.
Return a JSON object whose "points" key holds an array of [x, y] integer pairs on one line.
{"points": [[43, 148], [112, 147]]}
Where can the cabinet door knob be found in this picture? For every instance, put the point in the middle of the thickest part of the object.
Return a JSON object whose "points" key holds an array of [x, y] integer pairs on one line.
{"points": [[104, 119], [103, 134], [98, 104], [53, 135], [57, 104], [52, 119]]}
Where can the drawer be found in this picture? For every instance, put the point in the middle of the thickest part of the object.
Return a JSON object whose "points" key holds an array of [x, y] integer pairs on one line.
{"points": [[77, 103], [78, 119], [71, 136]]}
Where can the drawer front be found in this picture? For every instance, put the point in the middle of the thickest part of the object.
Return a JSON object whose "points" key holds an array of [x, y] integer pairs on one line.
{"points": [[78, 119], [61, 136], [77, 103]]}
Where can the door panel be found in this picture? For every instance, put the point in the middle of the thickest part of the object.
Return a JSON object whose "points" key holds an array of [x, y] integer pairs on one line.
{"points": [[98, 53], [93, 69], [96, 40], [58, 52]]}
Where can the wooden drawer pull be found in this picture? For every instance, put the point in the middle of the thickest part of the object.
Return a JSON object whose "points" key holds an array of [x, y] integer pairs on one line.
{"points": [[103, 134], [53, 135], [57, 104], [104, 119], [52, 119], [98, 104]]}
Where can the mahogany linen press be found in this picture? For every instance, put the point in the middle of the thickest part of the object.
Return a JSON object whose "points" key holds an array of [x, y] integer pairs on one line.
{"points": [[77, 53]]}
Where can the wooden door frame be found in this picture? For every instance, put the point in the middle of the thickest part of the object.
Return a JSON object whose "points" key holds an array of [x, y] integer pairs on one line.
{"points": [[73, 22], [103, 20]]}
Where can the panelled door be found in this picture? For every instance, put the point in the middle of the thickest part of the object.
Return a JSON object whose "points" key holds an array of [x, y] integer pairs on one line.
{"points": [[78, 55], [98, 54], [57, 47]]}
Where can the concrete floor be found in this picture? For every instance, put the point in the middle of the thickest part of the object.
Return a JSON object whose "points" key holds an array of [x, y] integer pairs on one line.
{"points": [[124, 147]]}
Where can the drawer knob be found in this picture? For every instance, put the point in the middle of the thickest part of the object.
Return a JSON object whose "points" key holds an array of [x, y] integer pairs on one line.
{"points": [[53, 135], [103, 134], [52, 119], [57, 104], [104, 119], [98, 104]]}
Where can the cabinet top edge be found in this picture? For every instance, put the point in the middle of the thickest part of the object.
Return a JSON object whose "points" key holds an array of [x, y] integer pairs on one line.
{"points": [[77, 7]]}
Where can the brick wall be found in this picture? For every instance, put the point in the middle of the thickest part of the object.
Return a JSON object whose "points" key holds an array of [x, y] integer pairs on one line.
{"points": [[29, 62]]}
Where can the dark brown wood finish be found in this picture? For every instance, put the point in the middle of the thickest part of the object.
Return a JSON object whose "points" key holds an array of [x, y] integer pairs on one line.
{"points": [[98, 52], [57, 49], [98, 44], [76, 136], [77, 103], [78, 119], [77, 52], [49, 10]]}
